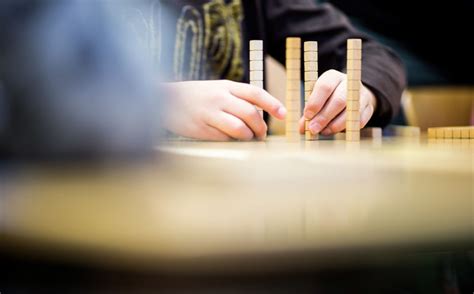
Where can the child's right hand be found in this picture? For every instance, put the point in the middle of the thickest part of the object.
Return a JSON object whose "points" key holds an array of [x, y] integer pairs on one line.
{"points": [[219, 110]]}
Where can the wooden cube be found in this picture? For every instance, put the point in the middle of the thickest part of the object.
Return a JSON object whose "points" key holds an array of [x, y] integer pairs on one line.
{"points": [[256, 65], [292, 74], [256, 55], [293, 42], [256, 45], [256, 75], [310, 75], [311, 56], [354, 44], [310, 46]]}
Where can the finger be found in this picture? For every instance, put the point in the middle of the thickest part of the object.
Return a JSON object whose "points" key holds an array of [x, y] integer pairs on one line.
{"points": [[324, 87], [249, 114], [301, 125], [230, 125], [337, 125], [334, 106], [212, 134], [258, 97]]}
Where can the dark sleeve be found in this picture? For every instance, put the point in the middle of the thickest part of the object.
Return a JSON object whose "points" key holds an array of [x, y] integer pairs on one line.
{"points": [[70, 85], [382, 70]]}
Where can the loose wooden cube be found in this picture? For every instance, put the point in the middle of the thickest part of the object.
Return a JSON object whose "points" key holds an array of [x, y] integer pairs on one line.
{"points": [[439, 133], [375, 133], [456, 133], [432, 133], [465, 133], [448, 133]]}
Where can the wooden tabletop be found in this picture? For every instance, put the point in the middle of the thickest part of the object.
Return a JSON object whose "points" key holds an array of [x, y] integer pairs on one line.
{"points": [[225, 205]]}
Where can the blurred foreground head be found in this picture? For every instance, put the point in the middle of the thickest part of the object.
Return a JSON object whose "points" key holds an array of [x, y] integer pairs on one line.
{"points": [[72, 84]]}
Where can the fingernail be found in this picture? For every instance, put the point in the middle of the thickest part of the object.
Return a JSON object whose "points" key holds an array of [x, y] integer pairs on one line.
{"points": [[282, 111], [314, 127], [308, 114]]}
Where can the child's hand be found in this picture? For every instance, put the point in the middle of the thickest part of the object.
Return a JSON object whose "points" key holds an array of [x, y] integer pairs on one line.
{"points": [[326, 105], [219, 110]]}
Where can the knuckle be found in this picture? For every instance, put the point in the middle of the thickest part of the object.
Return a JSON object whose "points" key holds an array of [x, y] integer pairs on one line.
{"points": [[339, 102], [240, 129], [323, 120], [251, 114]]}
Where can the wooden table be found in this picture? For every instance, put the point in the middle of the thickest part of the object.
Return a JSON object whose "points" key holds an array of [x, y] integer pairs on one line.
{"points": [[247, 206]]}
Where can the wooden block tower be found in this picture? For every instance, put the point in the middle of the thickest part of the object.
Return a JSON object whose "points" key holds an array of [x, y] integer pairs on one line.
{"points": [[256, 65], [310, 59], [354, 69], [293, 87]]}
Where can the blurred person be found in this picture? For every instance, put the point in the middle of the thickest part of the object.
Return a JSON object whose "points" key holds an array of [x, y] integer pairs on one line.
{"points": [[208, 71], [71, 83]]}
